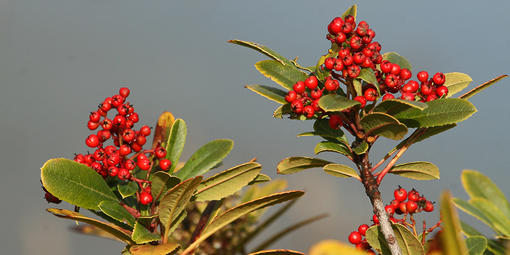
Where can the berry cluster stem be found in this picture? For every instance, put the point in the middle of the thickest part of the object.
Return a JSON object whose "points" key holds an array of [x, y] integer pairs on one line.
{"points": [[372, 191]]}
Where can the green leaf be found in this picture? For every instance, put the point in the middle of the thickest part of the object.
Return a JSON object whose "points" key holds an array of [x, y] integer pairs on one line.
{"points": [[116, 231], [142, 235], [451, 237], [440, 112], [360, 148], [321, 128], [383, 124], [228, 182], [264, 50], [260, 178], [481, 87], [292, 165], [394, 106], [476, 245], [336, 103], [243, 209], [417, 170], [357, 87], [273, 94], [432, 131], [353, 10], [284, 75], [342, 171], [472, 210], [176, 222], [282, 110], [456, 82], [257, 191], [332, 147], [468, 230], [367, 75], [205, 158], [75, 183], [277, 236], [175, 143], [175, 201], [127, 189], [117, 212], [149, 249], [161, 182], [478, 185], [501, 224], [407, 242], [395, 58]]}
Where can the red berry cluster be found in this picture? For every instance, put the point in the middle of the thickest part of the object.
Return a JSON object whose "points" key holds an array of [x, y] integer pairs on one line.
{"points": [[393, 79], [399, 206], [353, 50], [119, 159]]}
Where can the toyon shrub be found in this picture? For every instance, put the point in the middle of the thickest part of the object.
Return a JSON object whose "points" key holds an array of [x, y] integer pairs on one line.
{"points": [[357, 95]]}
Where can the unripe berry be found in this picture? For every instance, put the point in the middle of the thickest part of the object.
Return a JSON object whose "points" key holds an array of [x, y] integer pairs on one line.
{"points": [[92, 141], [311, 82], [145, 198], [355, 237]]}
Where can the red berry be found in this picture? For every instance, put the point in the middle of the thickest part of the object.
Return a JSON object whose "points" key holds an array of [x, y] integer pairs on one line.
{"points": [[335, 26], [340, 38], [407, 96], [359, 58], [123, 174], [145, 198], [165, 164], [438, 79], [391, 80], [353, 71], [400, 194], [370, 94], [299, 87], [105, 106], [141, 157], [329, 63], [94, 117], [403, 207], [291, 96], [386, 66], [330, 85], [92, 141], [362, 100], [117, 100], [347, 28], [442, 91], [133, 117], [92, 125], [362, 229], [411, 206], [144, 164], [141, 140], [405, 74], [297, 106], [375, 219], [389, 209], [426, 89], [335, 121], [145, 130], [124, 150], [119, 121], [338, 65], [113, 171], [348, 60], [128, 135], [411, 87], [316, 94], [309, 111], [124, 92], [51, 199], [355, 237], [413, 195], [431, 97], [355, 42], [423, 76], [160, 152], [395, 69], [107, 124], [129, 164], [429, 206], [311, 82], [388, 96]]}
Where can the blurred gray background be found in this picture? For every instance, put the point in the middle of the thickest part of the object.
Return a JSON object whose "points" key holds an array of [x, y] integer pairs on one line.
{"points": [[60, 58]]}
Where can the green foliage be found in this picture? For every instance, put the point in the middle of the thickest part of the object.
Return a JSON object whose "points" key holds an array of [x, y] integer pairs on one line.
{"points": [[75, 183], [175, 143], [205, 158], [481, 87], [367, 75], [451, 237], [333, 147], [227, 182], [407, 241], [161, 182], [384, 125], [149, 249], [342, 171], [273, 94], [297, 164], [394, 106], [264, 50], [476, 245], [284, 75], [336, 103], [417, 170], [142, 235], [117, 212], [456, 82], [394, 57], [127, 189]]}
